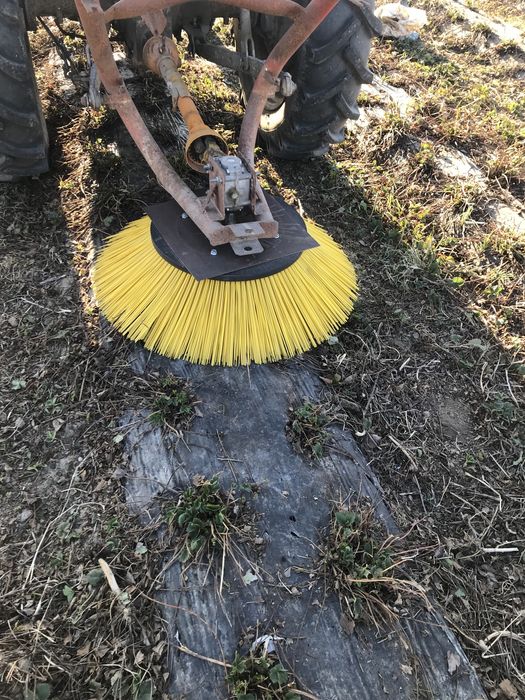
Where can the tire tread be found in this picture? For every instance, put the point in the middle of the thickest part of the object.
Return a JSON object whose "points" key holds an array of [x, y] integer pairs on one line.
{"points": [[329, 74], [23, 134]]}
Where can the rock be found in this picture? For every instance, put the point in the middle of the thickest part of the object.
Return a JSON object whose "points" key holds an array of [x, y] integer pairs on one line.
{"points": [[506, 217], [453, 163]]}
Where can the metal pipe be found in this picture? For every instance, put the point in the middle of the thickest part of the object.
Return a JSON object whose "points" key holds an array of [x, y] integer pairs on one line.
{"points": [[246, 64], [125, 9], [267, 80]]}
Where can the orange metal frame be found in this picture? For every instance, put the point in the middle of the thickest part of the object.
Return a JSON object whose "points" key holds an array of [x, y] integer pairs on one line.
{"points": [[95, 20]]}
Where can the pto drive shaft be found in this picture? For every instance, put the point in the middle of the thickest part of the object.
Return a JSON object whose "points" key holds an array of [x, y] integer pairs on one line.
{"points": [[232, 184], [161, 56]]}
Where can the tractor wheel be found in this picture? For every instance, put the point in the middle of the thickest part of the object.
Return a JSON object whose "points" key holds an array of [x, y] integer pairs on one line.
{"points": [[328, 70], [23, 134]]}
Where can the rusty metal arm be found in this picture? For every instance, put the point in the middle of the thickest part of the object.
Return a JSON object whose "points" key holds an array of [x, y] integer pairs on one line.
{"points": [[125, 9], [268, 78], [93, 21]]}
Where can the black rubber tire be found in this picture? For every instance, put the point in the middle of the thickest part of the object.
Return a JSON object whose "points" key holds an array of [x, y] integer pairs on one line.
{"points": [[23, 134], [328, 70]]}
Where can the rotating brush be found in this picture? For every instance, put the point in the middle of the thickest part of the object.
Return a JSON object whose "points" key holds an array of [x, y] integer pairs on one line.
{"points": [[231, 320]]}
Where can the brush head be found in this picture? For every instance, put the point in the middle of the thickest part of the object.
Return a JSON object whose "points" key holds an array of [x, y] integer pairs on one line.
{"points": [[219, 321]]}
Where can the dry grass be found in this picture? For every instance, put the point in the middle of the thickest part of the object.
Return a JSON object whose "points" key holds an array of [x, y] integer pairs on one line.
{"points": [[65, 632], [506, 11]]}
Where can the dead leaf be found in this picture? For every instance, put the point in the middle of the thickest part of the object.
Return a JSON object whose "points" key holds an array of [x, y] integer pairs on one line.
{"points": [[249, 577], [347, 624], [407, 670], [454, 662], [84, 651], [57, 424], [508, 690]]}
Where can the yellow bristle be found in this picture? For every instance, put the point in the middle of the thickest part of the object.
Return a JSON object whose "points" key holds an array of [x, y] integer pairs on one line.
{"points": [[217, 322]]}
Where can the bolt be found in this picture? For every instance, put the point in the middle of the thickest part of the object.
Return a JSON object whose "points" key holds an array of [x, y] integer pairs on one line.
{"points": [[213, 251], [183, 215]]}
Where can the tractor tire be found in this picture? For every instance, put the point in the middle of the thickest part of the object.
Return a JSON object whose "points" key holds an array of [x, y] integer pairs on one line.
{"points": [[23, 133], [328, 70]]}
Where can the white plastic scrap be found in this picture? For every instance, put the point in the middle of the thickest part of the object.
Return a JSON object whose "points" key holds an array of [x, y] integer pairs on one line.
{"points": [[268, 642], [400, 21]]}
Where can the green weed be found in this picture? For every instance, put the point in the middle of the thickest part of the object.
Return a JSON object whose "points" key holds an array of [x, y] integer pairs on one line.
{"points": [[426, 156], [503, 408], [482, 28], [260, 676], [203, 516], [173, 406], [361, 564], [307, 428]]}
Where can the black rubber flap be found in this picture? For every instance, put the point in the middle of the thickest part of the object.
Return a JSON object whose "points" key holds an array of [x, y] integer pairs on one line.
{"points": [[180, 242]]}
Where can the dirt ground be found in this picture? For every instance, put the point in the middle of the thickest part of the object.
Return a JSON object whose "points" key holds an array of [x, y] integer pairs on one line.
{"points": [[428, 373]]}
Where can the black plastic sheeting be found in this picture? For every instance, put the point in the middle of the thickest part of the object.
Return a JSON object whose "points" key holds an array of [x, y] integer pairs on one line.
{"points": [[241, 435]]}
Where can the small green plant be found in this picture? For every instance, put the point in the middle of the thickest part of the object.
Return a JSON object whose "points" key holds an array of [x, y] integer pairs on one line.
{"points": [[173, 406], [508, 46], [104, 156], [112, 529], [426, 157], [52, 406], [307, 428], [260, 676], [361, 565], [503, 408], [482, 28], [67, 530], [203, 517]]}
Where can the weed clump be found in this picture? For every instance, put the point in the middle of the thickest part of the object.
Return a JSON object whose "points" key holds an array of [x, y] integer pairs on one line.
{"points": [[260, 676], [204, 517], [362, 564], [306, 428], [173, 406]]}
